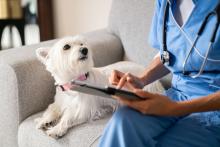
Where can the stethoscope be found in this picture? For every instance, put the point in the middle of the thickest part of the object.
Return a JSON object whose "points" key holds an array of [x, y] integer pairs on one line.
{"points": [[165, 55]]}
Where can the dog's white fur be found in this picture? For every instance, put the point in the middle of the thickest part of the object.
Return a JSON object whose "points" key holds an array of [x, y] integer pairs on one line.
{"points": [[72, 108]]}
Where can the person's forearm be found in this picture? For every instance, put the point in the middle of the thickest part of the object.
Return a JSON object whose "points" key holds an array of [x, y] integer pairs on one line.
{"points": [[154, 71], [203, 104]]}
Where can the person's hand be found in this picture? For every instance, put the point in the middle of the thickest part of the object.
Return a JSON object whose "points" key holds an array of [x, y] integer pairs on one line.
{"points": [[154, 104], [121, 79]]}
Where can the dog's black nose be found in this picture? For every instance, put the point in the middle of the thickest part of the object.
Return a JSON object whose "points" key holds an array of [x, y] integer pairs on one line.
{"points": [[84, 51]]}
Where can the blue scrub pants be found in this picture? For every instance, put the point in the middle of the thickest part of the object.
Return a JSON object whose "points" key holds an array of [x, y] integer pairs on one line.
{"points": [[129, 128]]}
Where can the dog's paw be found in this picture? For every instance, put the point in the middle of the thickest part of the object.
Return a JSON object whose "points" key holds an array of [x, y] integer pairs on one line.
{"points": [[44, 124], [37, 120], [56, 133]]}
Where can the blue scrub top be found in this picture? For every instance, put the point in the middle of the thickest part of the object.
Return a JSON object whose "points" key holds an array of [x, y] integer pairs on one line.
{"points": [[179, 42]]}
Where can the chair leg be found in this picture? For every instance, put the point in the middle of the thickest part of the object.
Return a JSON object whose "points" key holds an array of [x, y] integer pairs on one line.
{"points": [[20, 28], [10, 36], [1, 31]]}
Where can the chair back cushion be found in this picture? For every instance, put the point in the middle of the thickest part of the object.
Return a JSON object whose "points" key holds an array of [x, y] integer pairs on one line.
{"points": [[130, 20]]}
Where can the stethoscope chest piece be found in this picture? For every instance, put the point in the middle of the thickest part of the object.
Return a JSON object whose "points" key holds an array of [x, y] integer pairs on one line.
{"points": [[165, 58]]}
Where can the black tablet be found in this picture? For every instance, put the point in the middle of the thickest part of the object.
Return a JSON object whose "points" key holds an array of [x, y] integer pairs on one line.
{"points": [[106, 91]]}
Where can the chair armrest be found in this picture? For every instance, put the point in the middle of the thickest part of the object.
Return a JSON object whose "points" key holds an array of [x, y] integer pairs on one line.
{"points": [[26, 87]]}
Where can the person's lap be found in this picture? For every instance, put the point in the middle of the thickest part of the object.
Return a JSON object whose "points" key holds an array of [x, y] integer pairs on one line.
{"points": [[131, 128], [128, 127], [188, 132]]}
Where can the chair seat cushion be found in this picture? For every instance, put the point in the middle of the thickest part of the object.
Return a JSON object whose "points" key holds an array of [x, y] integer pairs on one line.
{"points": [[84, 135]]}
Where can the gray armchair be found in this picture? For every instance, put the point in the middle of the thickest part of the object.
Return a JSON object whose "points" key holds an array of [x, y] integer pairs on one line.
{"points": [[26, 88]]}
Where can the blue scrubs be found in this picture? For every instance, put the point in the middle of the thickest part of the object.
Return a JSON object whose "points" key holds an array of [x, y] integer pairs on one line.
{"points": [[129, 128]]}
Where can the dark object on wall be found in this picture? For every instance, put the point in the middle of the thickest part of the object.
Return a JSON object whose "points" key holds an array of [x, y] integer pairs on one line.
{"points": [[45, 19]]}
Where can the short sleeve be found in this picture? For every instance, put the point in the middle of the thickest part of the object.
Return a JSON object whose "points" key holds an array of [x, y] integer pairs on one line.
{"points": [[153, 36]]}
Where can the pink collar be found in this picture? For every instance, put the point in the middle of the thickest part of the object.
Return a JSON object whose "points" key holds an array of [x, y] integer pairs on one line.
{"points": [[67, 86]]}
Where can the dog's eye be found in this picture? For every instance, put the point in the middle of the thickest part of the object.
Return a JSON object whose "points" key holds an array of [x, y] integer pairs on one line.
{"points": [[81, 44], [66, 47]]}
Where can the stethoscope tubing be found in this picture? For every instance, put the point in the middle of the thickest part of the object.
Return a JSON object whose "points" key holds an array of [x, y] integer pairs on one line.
{"points": [[202, 28], [203, 63], [190, 51]]}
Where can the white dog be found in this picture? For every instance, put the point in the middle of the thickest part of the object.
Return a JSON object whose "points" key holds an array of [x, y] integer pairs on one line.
{"points": [[70, 59]]}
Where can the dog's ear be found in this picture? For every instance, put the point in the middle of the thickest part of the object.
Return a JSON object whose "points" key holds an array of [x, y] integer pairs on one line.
{"points": [[42, 54]]}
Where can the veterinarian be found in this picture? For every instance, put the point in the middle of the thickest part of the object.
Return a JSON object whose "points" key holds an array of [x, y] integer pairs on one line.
{"points": [[187, 114]]}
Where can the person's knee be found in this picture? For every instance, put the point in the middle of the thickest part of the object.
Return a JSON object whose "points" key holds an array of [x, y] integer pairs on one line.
{"points": [[117, 125], [126, 122], [123, 113], [123, 117]]}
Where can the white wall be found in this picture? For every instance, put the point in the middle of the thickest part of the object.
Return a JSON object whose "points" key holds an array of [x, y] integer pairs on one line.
{"points": [[72, 17]]}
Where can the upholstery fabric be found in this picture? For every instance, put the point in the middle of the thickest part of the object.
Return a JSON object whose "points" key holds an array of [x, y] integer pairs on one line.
{"points": [[85, 135], [19, 95], [8, 106], [130, 20]]}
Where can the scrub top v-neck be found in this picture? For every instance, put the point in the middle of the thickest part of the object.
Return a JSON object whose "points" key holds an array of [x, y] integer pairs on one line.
{"points": [[179, 41], [182, 10]]}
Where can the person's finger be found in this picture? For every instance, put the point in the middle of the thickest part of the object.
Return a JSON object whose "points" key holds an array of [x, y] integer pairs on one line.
{"points": [[122, 81], [123, 100], [130, 86], [143, 94], [113, 80], [115, 77], [119, 73], [130, 78], [134, 81], [135, 104]]}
